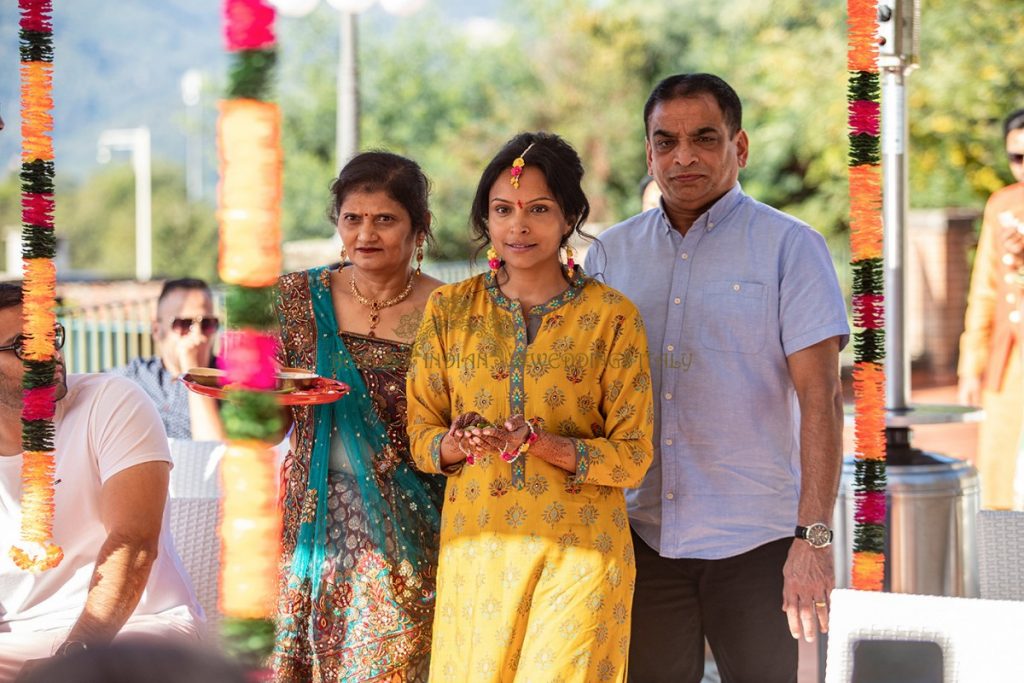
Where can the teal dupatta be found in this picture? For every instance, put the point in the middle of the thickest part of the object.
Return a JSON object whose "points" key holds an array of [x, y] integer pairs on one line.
{"points": [[404, 509]]}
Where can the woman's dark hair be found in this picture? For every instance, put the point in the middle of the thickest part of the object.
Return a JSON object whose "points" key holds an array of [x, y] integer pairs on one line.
{"points": [[401, 179], [1015, 121], [693, 85], [561, 166]]}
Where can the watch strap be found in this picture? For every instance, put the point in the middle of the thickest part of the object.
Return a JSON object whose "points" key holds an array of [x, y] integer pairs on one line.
{"points": [[70, 647], [805, 533]]}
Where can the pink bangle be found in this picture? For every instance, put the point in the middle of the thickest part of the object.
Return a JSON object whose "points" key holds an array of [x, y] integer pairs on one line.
{"points": [[470, 455], [531, 438]]}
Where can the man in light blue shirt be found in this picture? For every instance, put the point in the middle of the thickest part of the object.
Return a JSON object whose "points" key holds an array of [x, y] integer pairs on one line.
{"points": [[745, 321]]}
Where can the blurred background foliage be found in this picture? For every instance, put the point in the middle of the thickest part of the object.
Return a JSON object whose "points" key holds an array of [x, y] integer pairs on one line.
{"points": [[449, 93]]}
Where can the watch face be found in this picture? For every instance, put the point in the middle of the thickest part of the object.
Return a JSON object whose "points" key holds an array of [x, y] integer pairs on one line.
{"points": [[819, 535]]}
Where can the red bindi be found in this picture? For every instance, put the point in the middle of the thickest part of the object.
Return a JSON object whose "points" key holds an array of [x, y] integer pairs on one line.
{"points": [[519, 203]]}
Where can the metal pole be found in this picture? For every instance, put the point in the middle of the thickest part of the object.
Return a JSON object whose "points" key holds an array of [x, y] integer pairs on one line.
{"points": [[191, 95], [894, 214], [143, 206], [348, 89]]}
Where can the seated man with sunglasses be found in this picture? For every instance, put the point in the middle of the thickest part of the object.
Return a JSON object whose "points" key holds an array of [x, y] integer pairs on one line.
{"points": [[120, 576], [183, 334]]}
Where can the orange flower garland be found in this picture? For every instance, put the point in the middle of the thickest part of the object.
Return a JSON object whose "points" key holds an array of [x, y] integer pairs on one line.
{"points": [[36, 550], [40, 278], [250, 192], [250, 532], [249, 198], [868, 571]]}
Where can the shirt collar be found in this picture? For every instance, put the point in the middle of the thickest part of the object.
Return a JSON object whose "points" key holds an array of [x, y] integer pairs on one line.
{"points": [[713, 216], [721, 209], [662, 218]]}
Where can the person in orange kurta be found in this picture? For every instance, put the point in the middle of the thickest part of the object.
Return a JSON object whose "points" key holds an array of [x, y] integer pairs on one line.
{"points": [[990, 348]]}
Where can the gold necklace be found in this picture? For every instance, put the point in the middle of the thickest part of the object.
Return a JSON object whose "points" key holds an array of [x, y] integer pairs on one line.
{"points": [[376, 306]]}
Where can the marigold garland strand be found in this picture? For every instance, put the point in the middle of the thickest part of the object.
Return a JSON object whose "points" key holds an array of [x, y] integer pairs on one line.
{"points": [[249, 200], [863, 92], [36, 550]]}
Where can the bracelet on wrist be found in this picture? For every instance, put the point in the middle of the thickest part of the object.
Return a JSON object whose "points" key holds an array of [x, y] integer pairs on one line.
{"points": [[470, 455], [531, 438]]}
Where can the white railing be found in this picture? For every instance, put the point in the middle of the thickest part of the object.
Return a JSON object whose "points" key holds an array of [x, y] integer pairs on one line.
{"points": [[103, 336], [453, 271]]}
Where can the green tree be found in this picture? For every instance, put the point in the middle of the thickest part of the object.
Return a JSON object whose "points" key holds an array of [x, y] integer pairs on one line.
{"points": [[10, 201], [97, 219], [583, 69], [971, 77], [306, 93], [449, 115], [596, 77]]}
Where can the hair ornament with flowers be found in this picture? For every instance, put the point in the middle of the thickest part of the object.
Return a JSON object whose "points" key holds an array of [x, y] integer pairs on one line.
{"points": [[517, 166]]}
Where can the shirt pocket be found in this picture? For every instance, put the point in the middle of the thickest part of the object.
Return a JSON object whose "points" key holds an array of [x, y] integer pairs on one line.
{"points": [[734, 316]]}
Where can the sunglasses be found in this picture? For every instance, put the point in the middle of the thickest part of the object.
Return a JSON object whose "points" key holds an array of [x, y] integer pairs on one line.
{"points": [[206, 325], [19, 342], [1015, 158]]}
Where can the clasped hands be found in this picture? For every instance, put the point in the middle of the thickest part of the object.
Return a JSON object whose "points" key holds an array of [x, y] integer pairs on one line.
{"points": [[476, 438]]}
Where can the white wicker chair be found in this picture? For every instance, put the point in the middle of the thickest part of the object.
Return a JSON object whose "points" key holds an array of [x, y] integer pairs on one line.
{"points": [[194, 510], [980, 639], [1001, 554]]}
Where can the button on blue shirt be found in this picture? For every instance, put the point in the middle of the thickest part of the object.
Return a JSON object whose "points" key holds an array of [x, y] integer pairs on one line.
{"points": [[724, 306]]}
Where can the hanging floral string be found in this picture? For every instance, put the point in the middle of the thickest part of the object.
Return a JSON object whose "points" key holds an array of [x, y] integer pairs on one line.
{"points": [[248, 140], [36, 550], [863, 92]]}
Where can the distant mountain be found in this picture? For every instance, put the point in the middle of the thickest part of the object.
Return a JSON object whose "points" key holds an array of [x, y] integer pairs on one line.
{"points": [[117, 65], [120, 64]]}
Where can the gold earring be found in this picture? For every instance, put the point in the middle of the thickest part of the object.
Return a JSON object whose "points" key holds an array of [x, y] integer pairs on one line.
{"points": [[419, 259], [569, 262], [343, 255]]}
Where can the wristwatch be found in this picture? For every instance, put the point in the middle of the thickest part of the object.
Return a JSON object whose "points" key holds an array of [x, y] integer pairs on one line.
{"points": [[817, 534], [70, 647]]}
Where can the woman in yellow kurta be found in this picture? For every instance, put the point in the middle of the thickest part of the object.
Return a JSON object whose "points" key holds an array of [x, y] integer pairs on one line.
{"points": [[535, 580]]}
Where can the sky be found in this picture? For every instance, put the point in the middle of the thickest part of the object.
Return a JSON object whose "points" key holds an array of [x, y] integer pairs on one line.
{"points": [[120, 65]]}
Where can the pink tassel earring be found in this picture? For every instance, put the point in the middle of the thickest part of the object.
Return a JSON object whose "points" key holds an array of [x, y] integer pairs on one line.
{"points": [[493, 262], [569, 262]]}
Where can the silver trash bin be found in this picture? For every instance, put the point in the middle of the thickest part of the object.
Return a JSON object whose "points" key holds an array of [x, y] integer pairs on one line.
{"points": [[930, 540]]}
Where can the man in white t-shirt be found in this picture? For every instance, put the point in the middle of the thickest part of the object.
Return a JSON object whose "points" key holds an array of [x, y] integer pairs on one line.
{"points": [[120, 575]]}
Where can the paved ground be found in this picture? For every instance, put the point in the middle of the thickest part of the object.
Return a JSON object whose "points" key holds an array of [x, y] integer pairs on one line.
{"points": [[955, 440]]}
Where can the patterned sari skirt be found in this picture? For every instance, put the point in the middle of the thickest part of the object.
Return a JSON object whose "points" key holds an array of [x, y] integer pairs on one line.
{"points": [[370, 620]]}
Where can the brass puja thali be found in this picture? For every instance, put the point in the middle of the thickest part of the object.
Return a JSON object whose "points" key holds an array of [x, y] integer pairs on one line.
{"points": [[295, 387]]}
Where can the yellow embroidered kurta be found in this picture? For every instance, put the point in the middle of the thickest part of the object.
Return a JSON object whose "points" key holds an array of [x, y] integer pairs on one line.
{"points": [[536, 573]]}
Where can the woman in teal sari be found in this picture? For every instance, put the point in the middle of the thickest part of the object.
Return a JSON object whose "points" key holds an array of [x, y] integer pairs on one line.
{"points": [[360, 523]]}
